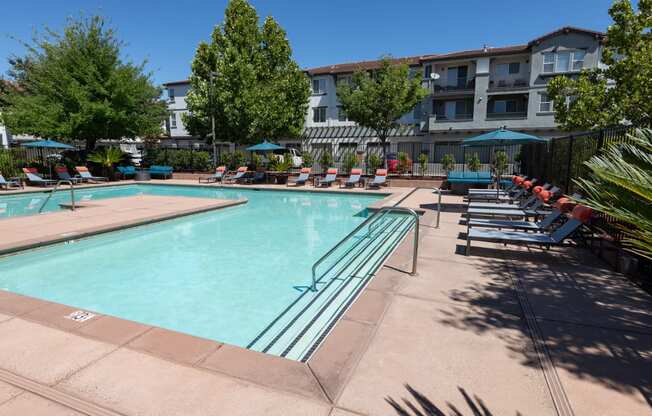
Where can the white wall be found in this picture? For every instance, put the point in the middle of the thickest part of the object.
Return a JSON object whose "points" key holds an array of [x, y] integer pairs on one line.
{"points": [[4, 139], [178, 106]]}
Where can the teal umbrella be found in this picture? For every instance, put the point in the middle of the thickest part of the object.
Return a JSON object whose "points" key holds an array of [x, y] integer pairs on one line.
{"points": [[502, 137], [48, 144], [265, 146]]}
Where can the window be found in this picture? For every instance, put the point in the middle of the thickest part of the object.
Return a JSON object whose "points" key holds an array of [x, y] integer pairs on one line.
{"points": [[319, 114], [171, 94], [341, 115], [344, 79], [502, 69], [563, 61], [173, 120], [427, 71], [545, 105], [514, 67], [578, 60], [548, 62], [319, 86]]}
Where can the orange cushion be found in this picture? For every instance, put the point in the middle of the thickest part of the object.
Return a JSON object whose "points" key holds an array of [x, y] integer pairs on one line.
{"points": [[220, 169], [518, 180], [582, 213], [61, 169], [305, 170], [381, 172], [242, 169], [544, 195], [356, 171], [537, 189], [332, 171], [30, 170], [82, 168], [564, 204], [526, 184]]}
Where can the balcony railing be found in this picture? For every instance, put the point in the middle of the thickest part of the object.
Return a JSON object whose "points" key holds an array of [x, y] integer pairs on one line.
{"points": [[507, 115], [508, 85], [458, 117]]}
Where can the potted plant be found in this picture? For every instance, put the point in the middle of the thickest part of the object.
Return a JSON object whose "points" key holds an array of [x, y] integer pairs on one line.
{"points": [[374, 162], [423, 163], [107, 158], [499, 166], [474, 163], [326, 160], [350, 161], [307, 158], [403, 163]]}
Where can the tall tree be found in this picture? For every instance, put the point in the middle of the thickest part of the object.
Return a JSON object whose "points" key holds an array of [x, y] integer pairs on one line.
{"points": [[378, 99], [246, 78], [75, 86], [622, 90]]}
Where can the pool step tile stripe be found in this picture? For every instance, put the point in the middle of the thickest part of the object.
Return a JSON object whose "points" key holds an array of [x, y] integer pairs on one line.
{"points": [[297, 332]]}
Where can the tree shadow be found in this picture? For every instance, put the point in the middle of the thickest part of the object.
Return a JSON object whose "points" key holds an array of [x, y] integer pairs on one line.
{"points": [[595, 323], [420, 405]]}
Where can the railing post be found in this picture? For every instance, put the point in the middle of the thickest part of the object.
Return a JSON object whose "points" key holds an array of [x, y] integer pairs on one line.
{"points": [[569, 163]]}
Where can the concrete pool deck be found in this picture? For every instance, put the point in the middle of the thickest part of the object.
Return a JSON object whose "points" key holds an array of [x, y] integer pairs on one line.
{"points": [[460, 331]]}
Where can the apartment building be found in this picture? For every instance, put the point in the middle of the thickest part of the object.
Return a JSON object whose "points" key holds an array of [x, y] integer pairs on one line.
{"points": [[471, 92]]}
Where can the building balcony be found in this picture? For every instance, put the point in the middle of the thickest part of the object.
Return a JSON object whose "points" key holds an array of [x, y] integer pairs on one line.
{"points": [[508, 86], [513, 115]]}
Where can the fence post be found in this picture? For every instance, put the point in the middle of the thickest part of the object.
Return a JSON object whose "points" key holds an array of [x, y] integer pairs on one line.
{"points": [[601, 139], [570, 162]]}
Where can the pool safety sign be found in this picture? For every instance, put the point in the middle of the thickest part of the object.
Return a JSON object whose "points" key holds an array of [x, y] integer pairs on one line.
{"points": [[80, 316]]}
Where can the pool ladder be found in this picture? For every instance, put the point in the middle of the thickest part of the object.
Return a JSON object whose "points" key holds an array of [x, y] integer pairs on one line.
{"points": [[72, 194], [370, 222]]}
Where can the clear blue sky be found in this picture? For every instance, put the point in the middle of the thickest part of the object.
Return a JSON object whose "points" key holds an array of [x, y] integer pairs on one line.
{"points": [[166, 32]]}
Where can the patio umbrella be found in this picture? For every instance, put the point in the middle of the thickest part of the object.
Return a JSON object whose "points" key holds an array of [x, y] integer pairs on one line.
{"points": [[265, 146], [502, 137], [48, 144]]}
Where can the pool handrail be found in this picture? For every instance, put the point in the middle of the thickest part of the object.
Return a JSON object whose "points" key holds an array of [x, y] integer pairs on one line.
{"points": [[368, 222], [72, 193]]}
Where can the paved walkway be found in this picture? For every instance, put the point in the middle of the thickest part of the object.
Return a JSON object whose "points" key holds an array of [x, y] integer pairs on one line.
{"points": [[459, 336]]}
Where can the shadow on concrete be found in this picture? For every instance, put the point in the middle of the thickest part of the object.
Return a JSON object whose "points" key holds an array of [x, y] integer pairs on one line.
{"points": [[595, 323], [445, 207], [420, 405]]}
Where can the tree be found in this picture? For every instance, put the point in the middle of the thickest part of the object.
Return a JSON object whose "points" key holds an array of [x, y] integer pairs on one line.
{"points": [[474, 163], [448, 163], [620, 185], [622, 91], [75, 86], [246, 78], [378, 100]]}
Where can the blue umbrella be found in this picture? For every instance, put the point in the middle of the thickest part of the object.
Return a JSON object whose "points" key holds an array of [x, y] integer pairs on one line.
{"points": [[502, 137], [264, 147], [48, 144]]}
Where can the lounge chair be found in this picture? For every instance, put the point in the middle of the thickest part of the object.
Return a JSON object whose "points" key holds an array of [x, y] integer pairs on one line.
{"points": [[353, 180], [33, 178], [379, 179], [533, 202], [303, 177], [8, 183], [520, 187], [63, 174], [580, 215], [238, 177], [126, 171], [216, 177], [86, 175], [259, 177], [561, 206], [331, 177], [159, 171]]}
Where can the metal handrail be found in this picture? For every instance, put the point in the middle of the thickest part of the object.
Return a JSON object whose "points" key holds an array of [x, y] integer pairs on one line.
{"points": [[72, 193], [368, 222]]}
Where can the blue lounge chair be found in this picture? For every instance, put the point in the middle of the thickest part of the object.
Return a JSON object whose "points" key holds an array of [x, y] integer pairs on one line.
{"points": [[126, 171], [8, 183], [63, 174], [533, 202], [33, 178], [86, 175], [331, 177], [158, 171], [354, 179], [379, 180], [303, 177], [259, 177], [580, 215], [216, 177], [559, 207], [238, 177]]}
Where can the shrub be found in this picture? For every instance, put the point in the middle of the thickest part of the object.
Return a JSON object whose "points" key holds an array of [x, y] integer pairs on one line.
{"points": [[350, 161], [326, 159], [237, 160], [308, 160], [423, 163], [403, 162], [448, 163], [256, 161], [374, 162], [474, 163], [280, 164], [499, 165]]}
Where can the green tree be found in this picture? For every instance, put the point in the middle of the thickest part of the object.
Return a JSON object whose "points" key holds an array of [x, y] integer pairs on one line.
{"points": [[622, 90], [246, 78], [378, 100], [500, 163], [473, 163], [620, 185], [423, 163], [75, 86]]}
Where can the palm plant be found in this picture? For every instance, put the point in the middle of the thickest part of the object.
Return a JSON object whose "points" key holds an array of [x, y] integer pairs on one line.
{"points": [[448, 163], [107, 157], [620, 185], [474, 163]]}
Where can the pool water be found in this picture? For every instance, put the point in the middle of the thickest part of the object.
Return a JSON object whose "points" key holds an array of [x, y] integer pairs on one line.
{"points": [[223, 275]]}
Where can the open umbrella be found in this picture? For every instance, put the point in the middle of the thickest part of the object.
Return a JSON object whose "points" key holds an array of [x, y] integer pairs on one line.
{"points": [[265, 146], [48, 144], [502, 137]]}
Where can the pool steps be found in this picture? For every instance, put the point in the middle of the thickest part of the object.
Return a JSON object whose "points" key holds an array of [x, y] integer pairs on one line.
{"points": [[298, 330]]}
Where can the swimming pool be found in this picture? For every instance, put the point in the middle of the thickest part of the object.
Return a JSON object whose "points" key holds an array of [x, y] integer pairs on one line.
{"points": [[226, 275]]}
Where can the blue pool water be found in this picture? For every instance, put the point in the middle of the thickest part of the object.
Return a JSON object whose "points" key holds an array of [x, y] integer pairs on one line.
{"points": [[223, 275]]}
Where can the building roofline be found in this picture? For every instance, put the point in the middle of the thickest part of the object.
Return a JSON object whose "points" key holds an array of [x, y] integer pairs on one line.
{"points": [[566, 30], [181, 82]]}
